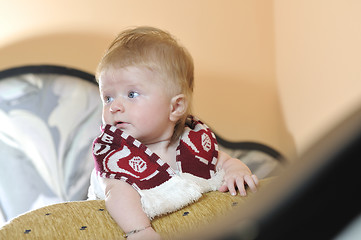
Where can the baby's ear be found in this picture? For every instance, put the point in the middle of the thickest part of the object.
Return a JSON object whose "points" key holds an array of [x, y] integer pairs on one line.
{"points": [[178, 106]]}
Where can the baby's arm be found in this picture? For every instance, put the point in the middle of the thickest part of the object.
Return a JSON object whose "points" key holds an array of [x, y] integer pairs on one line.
{"points": [[236, 174], [123, 203]]}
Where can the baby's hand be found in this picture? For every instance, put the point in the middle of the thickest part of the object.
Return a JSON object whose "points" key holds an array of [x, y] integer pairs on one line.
{"points": [[237, 174]]}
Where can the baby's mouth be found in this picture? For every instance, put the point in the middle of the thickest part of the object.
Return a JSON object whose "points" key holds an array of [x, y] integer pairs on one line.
{"points": [[120, 124]]}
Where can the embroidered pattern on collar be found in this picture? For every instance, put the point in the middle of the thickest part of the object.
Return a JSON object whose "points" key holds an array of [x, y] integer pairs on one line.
{"points": [[120, 156]]}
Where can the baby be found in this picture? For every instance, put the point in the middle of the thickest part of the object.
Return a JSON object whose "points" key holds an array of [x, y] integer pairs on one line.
{"points": [[153, 157]]}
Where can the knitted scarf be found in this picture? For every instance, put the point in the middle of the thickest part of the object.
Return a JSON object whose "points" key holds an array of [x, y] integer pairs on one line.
{"points": [[118, 155]]}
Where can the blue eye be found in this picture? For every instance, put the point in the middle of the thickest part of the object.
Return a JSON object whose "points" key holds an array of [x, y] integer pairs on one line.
{"points": [[108, 99], [133, 94]]}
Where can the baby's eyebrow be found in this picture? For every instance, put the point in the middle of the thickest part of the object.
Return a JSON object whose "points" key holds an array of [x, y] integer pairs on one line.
{"points": [[103, 90]]}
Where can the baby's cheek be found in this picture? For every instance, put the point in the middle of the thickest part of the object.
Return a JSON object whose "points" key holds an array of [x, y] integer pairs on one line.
{"points": [[106, 119]]}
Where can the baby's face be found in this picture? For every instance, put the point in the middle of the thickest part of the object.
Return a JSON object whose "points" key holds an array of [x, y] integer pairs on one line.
{"points": [[136, 102]]}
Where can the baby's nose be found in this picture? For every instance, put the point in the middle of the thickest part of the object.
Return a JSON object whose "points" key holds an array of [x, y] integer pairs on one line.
{"points": [[117, 106]]}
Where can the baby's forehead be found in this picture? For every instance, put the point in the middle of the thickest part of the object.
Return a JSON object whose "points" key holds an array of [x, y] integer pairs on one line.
{"points": [[134, 74], [134, 68]]}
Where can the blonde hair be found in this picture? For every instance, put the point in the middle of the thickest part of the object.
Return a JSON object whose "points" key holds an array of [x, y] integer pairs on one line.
{"points": [[160, 52]]}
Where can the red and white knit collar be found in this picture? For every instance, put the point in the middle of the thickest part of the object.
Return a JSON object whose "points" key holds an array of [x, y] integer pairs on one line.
{"points": [[120, 156]]}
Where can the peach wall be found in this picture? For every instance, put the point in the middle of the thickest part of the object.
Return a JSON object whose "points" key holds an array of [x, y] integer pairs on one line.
{"points": [[318, 64], [232, 43]]}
